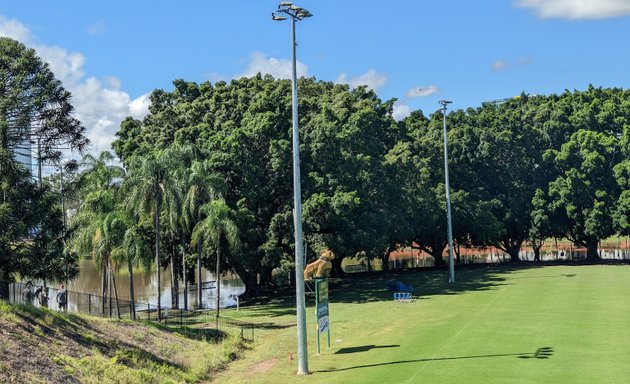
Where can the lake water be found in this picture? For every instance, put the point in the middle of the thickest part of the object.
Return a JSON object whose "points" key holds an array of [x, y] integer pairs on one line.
{"points": [[145, 286]]}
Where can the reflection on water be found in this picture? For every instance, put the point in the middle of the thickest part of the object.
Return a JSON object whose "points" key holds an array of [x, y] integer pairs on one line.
{"points": [[145, 286]]}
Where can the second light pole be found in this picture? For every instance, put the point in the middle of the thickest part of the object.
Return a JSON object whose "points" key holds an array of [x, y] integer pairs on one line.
{"points": [[296, 13], [451, 265]]}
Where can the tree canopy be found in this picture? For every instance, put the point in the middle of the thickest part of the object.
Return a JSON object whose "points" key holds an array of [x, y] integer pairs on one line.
{"points": [[371, 184], [34, 110], [34, 105]]}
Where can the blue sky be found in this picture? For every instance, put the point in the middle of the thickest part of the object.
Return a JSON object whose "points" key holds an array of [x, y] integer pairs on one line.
{"points": [[110, 55]]}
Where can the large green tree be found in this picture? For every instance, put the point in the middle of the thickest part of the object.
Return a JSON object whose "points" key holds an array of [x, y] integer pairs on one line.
{"points": [[245, 126], [621, 215], [499, 163], [34, 109], [584, 194], [34, 105], [31, 229]]}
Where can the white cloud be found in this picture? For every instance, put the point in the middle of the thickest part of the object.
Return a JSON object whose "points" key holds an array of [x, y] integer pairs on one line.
{"points": [[499, 65], [422, 91], [99, 105], [577, 9], [139, 107], [14, 29], [67, 66], [97, 28], [278, 68], [371, 79], [401, 110], [213, 77]]}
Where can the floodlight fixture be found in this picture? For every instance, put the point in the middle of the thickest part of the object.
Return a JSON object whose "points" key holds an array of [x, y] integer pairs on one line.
{"points": [[294, 11]]}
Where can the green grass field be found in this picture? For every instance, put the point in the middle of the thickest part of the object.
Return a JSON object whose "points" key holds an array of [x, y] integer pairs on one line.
{"points": [[530, 324]]}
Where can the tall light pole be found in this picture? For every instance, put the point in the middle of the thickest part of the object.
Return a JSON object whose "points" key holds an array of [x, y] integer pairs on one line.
{"points": [[296, 13], [451, 266]]}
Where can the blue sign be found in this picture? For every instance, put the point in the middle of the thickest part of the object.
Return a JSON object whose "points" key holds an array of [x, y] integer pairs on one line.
{"points": [[322, 310], [323, 324]]}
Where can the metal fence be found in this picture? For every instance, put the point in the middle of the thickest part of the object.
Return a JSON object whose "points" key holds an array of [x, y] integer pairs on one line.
{"points": [[85, 303]]}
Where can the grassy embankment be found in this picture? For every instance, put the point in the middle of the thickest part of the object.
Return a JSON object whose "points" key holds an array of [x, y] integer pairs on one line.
{"points": [[497, 324], [42, 346]]}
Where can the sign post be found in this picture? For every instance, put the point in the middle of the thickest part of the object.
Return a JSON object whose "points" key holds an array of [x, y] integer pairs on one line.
{"points": [[321, 310]]}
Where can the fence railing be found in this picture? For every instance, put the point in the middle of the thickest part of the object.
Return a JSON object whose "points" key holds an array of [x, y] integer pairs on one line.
{"points": [[85, 303]]}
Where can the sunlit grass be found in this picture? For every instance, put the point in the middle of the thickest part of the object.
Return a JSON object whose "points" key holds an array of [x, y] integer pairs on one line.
{"points": [[499, 324]]}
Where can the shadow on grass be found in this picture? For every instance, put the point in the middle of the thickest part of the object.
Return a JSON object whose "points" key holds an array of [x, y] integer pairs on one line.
{"points": [[134, 357], [426, 282], [201, 334], [52, 323], [370, 287], [47, 324], [274, 325], [364, 348], [541, 354]]}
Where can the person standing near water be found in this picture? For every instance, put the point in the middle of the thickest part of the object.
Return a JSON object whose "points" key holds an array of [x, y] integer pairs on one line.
{"points": [[62, 298]]}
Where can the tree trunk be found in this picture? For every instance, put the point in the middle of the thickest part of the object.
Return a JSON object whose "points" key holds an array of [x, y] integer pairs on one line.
{"points": [[266, 279], [536, 252], [218, 276], [336, 267], [591, 251], [385, 262], [157, 261], [385, 258], [184, 272], [511, 247], [104, 263], [250, 280], [458, 250], [110, 294], [199, 303], [174, 280], [537, 246], [132, 306], [437, 252], [514, 254], [113, 279]]}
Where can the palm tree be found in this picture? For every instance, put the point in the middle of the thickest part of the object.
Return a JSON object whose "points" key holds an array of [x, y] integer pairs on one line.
{"points": [[149, 189], [179, 158], [98, 183], [202, 187], [131, 248], [112, 230], [218, 223]]}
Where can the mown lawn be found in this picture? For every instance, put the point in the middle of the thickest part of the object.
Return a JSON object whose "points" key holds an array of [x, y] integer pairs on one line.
{"points": [[530, 324]]}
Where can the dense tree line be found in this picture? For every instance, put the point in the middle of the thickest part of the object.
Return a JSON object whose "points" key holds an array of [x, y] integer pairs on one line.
{"points": [[206, 180], [527, 168]]}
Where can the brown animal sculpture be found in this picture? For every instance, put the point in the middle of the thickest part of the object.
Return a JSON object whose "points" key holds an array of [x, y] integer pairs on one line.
{"points": [[320, 268]]}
